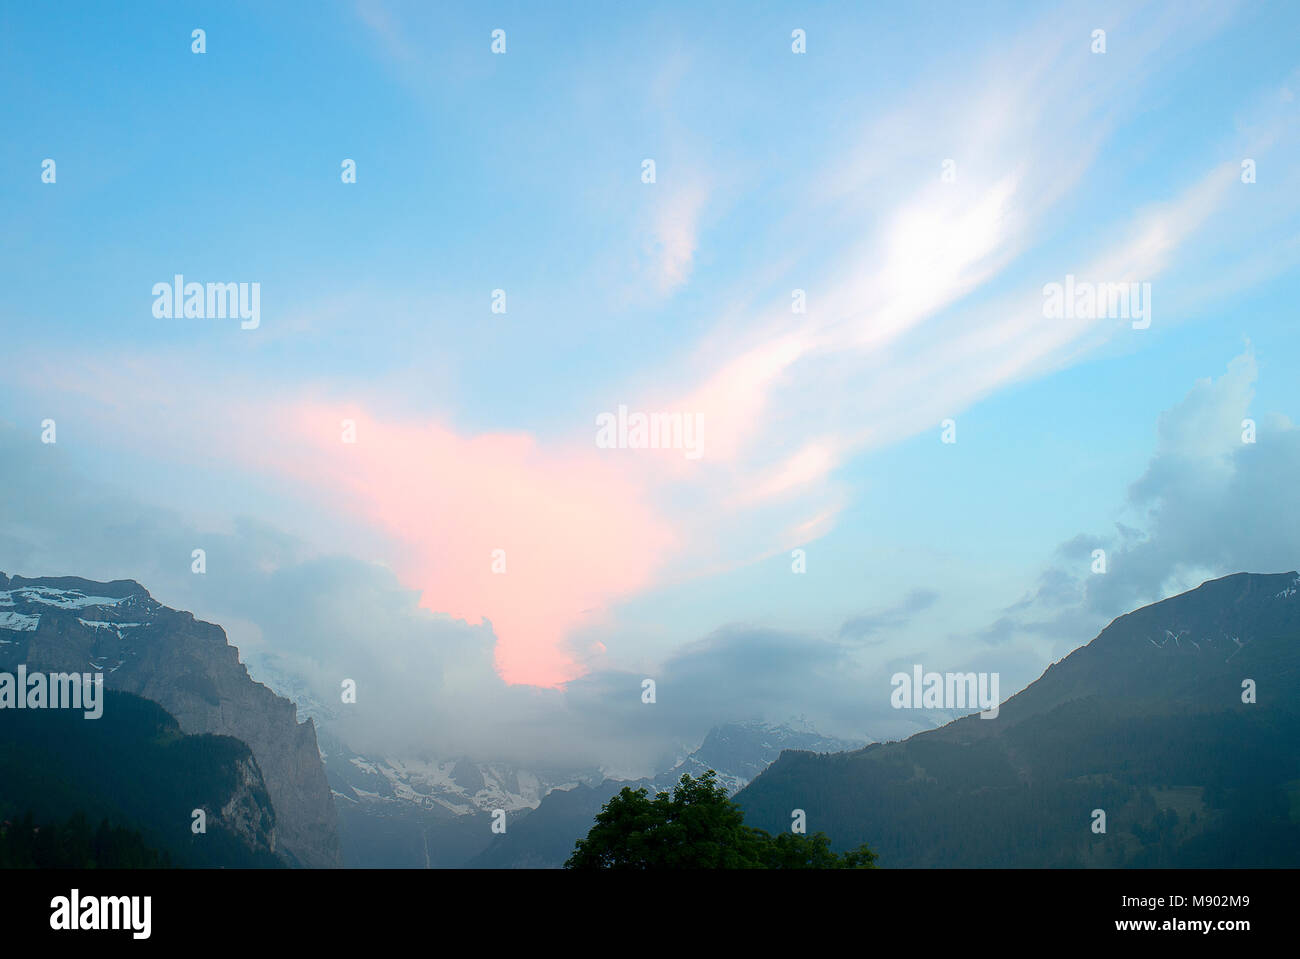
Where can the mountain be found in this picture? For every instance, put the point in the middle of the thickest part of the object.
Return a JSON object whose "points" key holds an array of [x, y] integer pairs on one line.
{"points": [[413, 811], [429, 813], [736, 751], [436, 812], [133, 767], [1146, 723], [67, 624]]}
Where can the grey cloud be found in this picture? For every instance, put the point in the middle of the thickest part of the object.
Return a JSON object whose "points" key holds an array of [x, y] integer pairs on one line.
{"points": [[860, 627], [1213, 505]]}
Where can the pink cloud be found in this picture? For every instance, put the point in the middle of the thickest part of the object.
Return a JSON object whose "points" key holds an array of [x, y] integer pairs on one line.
{"points": [[575, 522], [574, 526]]}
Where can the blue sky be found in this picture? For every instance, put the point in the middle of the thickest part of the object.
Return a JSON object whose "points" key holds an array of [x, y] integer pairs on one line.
{"points": [[775, 171]]}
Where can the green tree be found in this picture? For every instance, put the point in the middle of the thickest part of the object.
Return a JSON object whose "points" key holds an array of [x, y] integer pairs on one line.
{"points": [[697, 827]]}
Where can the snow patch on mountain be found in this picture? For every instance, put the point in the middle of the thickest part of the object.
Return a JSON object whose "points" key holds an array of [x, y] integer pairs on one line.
{"points": [[19, 622], [60, 598], [458, 785]]}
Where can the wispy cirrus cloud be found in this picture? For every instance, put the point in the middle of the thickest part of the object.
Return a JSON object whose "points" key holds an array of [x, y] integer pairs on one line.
{"points": [[673, 237]]}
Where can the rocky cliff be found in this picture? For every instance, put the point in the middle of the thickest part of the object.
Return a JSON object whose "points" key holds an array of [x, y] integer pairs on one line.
{"points": [[131, 767], [187, 667]]}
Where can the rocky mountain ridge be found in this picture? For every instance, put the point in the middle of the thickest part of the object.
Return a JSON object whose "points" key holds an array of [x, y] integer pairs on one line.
{"points": [[116, 629]]}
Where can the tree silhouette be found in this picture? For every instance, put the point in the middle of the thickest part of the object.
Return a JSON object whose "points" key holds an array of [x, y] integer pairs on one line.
{"points": [[697, 827]]}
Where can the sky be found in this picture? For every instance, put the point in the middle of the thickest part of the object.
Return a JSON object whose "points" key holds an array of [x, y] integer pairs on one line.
{"points": [[395, 482]]}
